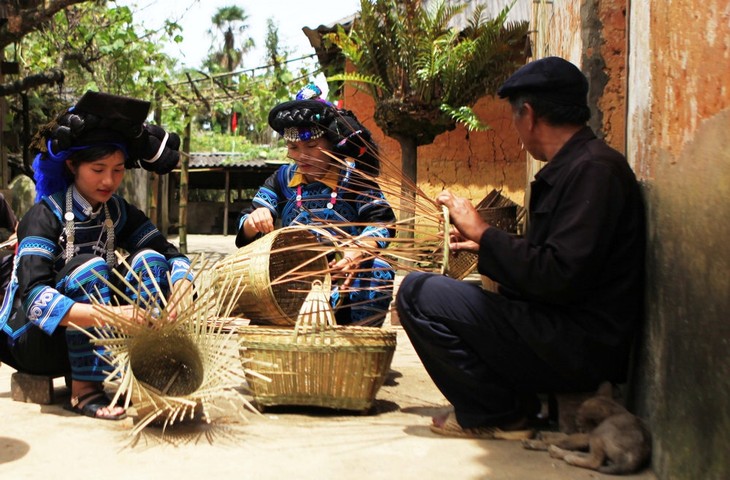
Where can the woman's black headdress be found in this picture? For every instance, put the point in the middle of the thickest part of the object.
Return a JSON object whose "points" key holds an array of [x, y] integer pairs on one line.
{"points": [[101, 119]]}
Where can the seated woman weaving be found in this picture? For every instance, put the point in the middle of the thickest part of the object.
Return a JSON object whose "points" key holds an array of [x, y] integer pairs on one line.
{"points": [[331, 184], [68, 241]]}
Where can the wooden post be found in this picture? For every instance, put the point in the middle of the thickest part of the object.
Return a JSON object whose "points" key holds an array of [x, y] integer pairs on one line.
{"points": [[226, 202], [185, 162], [153, 184], [164, 206]]}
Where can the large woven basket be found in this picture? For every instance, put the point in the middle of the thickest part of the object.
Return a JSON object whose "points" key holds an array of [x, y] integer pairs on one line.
{"points": [[499, 212], [317, 363], [275, 273]]}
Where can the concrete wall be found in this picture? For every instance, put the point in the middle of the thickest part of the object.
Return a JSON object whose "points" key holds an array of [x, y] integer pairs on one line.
{"points": [[679, 116], [662, 97]]}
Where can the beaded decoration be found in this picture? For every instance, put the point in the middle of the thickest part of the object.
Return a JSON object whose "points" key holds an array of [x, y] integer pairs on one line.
{"points": [[330, 204], [70, 228], [302, 134]]}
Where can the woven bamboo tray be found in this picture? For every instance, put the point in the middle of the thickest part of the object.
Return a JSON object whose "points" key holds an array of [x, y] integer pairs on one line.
{"points": [[317, 363], [275, 272]]}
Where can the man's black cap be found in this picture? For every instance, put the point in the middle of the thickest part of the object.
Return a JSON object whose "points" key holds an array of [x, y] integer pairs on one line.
{"points": [[552, 77]]}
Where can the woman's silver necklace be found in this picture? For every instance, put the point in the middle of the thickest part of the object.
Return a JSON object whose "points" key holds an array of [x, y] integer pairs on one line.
{"points": [[70, 228]]}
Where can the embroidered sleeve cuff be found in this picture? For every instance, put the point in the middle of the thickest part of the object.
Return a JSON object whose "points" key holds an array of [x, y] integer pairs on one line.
{"points": [[180, 267], [377, 232], [46, 307], [242, 221]]}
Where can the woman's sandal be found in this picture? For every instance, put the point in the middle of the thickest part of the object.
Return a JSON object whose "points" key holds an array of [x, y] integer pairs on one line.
{"points": [[450, 427], [95, 401]]}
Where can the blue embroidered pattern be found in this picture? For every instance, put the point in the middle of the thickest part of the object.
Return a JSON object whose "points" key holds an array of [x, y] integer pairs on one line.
{"points": [[38, 246], [143, 235], [46, 307], [266, 198], [181, 269]]}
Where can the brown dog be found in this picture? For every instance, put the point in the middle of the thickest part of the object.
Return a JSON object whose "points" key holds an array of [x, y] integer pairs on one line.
{"points": [[612, 441]]}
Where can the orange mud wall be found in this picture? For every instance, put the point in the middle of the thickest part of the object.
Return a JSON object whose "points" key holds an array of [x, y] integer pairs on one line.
{"points": [[470, 164], [659, 92], [678, 138], [659, 73]]}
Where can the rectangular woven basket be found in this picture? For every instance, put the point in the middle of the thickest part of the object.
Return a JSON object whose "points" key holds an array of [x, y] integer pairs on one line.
{"points": [[317, 363], [340, 368]]}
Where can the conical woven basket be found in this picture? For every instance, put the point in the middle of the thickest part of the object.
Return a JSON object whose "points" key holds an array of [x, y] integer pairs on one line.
{"points": [[275, 273], [318, 363]]}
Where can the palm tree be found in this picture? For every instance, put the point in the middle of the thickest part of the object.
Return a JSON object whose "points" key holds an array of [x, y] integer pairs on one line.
{"points": [[423, 75], [228, 20]]}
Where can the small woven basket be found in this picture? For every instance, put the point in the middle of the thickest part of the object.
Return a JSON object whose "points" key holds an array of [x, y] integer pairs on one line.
{"points": [[497, 211], [274, 274], [317, 363]]}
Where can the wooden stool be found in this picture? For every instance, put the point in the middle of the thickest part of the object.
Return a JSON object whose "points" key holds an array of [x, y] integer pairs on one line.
{"points": [[28, 388]]}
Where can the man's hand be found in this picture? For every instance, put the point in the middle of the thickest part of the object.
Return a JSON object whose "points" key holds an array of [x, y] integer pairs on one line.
{"points": [[469, 224], [457, 243]]}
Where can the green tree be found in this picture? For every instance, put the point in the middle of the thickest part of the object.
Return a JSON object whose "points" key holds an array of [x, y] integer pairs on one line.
{"points": [[96, 48], [229, 21], [424, 75]]}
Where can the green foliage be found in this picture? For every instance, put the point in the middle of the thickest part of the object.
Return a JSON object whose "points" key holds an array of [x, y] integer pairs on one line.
{"points": [[98, 48], [465, 116], [413, 63], [357, 78], [216, 142], [229, 21], [104, 49]]}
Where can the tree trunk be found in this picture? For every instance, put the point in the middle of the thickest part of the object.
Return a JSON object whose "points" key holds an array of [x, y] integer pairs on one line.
{"points": [[409, 165]]}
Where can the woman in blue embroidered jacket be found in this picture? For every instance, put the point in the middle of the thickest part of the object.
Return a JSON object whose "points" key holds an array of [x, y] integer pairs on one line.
{"points": [[330, 184], [69, 238]]}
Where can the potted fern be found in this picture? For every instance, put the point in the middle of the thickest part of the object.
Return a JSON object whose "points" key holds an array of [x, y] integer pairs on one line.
{"points": [[424, 74]]}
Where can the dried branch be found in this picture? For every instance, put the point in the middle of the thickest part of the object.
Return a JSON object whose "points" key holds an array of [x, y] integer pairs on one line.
{"points": [[51, 77], [21, 22]]}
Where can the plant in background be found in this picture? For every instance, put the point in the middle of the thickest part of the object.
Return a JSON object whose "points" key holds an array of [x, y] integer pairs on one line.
{"points": [[423, 74], [97, 48]]}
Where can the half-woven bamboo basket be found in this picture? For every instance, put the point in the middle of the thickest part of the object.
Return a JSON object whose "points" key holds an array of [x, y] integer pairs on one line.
{"points": [[499, 212], [317, 363], [274, 274]]}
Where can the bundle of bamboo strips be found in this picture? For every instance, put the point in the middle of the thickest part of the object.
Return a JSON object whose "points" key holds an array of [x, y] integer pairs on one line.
{"points": [[277, 271]]}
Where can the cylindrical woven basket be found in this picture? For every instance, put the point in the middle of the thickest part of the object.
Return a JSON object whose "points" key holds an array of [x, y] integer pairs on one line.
{"points": [[276, 272], [317, 363], [461, 264]]}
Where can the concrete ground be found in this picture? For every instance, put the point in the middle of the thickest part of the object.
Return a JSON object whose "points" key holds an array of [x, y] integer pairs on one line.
{"points": [[393, 441]]}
